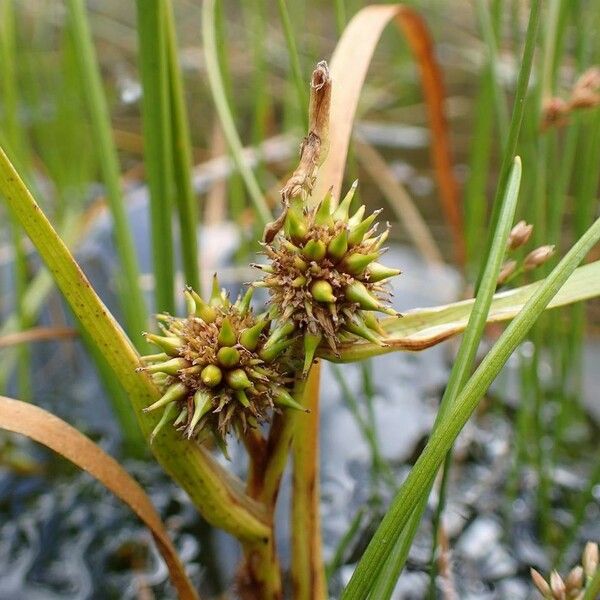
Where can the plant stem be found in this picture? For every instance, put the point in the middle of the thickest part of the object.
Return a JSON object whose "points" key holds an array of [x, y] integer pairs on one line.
{"points": [[308, 574]]}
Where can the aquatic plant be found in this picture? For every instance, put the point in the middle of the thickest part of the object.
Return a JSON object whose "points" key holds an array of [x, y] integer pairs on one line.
{"points": [[229, 370]]}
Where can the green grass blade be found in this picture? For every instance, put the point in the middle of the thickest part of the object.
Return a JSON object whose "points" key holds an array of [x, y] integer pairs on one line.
{"points": [[516, 119], [182, 159], [220, 99], [157, 148], [294, 59], [130, 294], [461, 369], [425, 327], [423, 473], [216, 493]]}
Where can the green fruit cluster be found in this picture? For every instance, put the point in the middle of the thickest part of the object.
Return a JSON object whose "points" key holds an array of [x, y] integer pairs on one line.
{"points": [[220, 368], [323, 276]]}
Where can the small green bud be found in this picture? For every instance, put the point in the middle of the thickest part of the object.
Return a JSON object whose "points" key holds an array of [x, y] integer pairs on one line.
{"points": [[264, 268], [314, 250], [323, 214], [322, 291], [290, 247], [161, 380], [284, 399], [341, 212], [202, 404], [338, 246], [211, 376], [170, 345], [190, 303], [228, 357], [227, 335], [181, 417], [280, 333], [152, 358], [270, 353], [357, 217], [173, 393], [358, 233], [373, 323], [238, 380], [243, 304], [357, 262], [311, 343], [207, 313], [300, 264], [299, 281], [242, 398], [357, 292], [218, 296], [249, 337], [361, 330], [295, 226], [379, 272], [168, 415], [170, 367]]}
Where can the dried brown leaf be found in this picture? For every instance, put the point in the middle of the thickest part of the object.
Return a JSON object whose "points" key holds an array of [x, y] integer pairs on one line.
{"points": [[47, 429]]}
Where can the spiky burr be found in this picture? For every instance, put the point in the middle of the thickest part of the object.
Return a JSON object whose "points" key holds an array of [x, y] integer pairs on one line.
{"points": [[323, 276], [220, 368]]}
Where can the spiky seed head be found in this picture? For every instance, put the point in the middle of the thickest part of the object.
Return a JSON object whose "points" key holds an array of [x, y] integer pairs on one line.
{"points": [[222, 367], [323, 272]]}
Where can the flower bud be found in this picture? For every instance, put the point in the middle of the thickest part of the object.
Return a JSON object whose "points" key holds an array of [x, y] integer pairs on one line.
{"points": [[574, 581], [508, 268], [378, 272], [338, 246], [557, 585], [541, 584], [519, 235], [538, 257], [170, 344], [170, 367], [357, 292], [249, 337], [590, 559], [341, 212], [173, 393]]}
